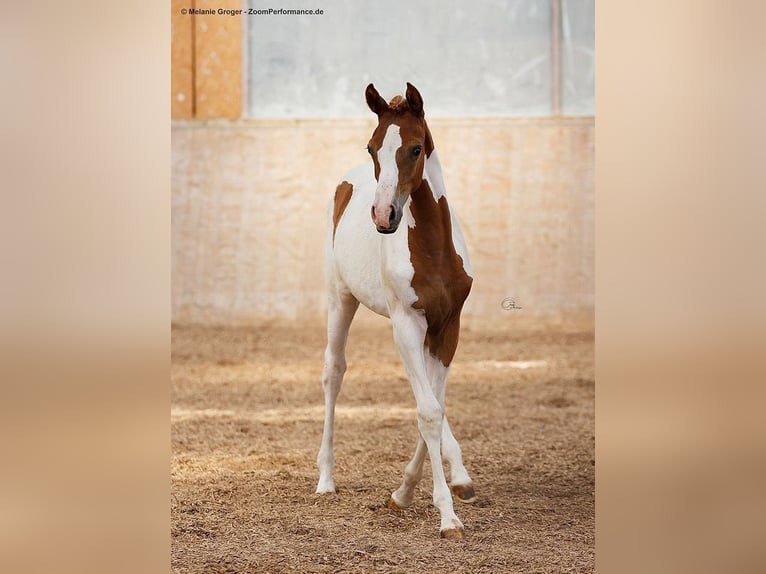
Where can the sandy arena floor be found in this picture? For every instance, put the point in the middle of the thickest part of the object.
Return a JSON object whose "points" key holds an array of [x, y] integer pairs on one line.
{"points": [[247, 420]]}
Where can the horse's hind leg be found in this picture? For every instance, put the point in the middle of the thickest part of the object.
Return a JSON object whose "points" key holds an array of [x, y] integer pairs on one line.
{"points": [[340, 313], [413, 472], [460, 483]]}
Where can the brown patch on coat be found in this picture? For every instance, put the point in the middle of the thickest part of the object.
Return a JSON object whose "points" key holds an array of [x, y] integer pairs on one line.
{"points": [[440, 281], [342, 197]]}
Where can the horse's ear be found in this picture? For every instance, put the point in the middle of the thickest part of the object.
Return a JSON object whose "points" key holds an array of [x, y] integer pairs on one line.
{"points": [[414, 99], [377, 104]]}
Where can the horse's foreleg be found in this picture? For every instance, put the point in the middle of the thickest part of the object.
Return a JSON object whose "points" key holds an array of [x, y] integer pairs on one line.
{"points": [[340, 313], [460, 481], [409, 334]]}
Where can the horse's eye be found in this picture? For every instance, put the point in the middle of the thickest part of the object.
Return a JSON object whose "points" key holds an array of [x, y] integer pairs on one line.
{"points": [[369, 151], [416, 150]]}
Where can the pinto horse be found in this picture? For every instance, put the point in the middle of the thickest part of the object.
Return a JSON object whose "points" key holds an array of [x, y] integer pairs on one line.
{"points": [[417, 274]]}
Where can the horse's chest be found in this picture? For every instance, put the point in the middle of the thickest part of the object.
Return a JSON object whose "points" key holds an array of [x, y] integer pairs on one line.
{"points": [[440, 279], [432, 280], [396, 267], [441, 286]]}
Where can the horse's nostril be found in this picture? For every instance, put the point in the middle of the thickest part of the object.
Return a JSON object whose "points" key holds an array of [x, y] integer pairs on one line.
{"points": [[392, 216]]}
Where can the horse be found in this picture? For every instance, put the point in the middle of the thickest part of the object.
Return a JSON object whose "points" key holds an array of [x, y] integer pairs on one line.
{"points": [[417, 274]]}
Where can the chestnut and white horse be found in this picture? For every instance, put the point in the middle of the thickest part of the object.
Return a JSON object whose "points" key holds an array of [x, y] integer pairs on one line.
{"points": [[416, 273]]}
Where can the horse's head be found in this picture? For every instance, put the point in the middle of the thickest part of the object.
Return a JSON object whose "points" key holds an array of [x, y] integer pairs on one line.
{"points": [[398, 146]]}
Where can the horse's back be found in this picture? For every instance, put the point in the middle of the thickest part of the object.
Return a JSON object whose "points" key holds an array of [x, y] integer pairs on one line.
{"points": [[353, 245]]}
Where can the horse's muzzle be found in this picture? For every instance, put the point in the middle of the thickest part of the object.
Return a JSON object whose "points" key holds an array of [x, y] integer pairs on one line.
{"points": [[387, 230], [394, 217]]}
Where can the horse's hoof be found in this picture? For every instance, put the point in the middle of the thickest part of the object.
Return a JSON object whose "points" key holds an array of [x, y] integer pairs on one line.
{"points": [[453, 533], [325, 488], [392, 505], [464, 493]]}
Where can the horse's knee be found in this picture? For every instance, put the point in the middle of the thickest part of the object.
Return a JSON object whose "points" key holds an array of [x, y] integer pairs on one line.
{"points": [[431, 416], [430, 421], [334, 369]]}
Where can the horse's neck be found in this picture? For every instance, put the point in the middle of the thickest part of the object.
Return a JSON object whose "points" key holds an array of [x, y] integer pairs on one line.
{"points": [[429, 202], [433, 168]]}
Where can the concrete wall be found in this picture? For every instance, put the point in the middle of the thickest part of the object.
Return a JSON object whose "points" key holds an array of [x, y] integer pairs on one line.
{"points": [[249, 201]]}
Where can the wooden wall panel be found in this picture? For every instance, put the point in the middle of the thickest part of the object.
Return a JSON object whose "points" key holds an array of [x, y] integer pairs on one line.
{"points": [[218, 61], [181, 71]]}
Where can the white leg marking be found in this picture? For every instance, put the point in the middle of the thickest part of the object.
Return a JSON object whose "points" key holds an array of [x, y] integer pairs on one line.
{"points": [[409, 334], [451, 449], [413, 472], [438, 374], [339, 316]]}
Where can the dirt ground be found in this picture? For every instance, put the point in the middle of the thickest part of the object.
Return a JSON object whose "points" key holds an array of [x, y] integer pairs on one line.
{"points": [[246, 425]]}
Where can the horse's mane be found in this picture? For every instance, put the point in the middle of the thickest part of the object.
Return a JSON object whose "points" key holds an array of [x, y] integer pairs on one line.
{"points": [[398, 104]]}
